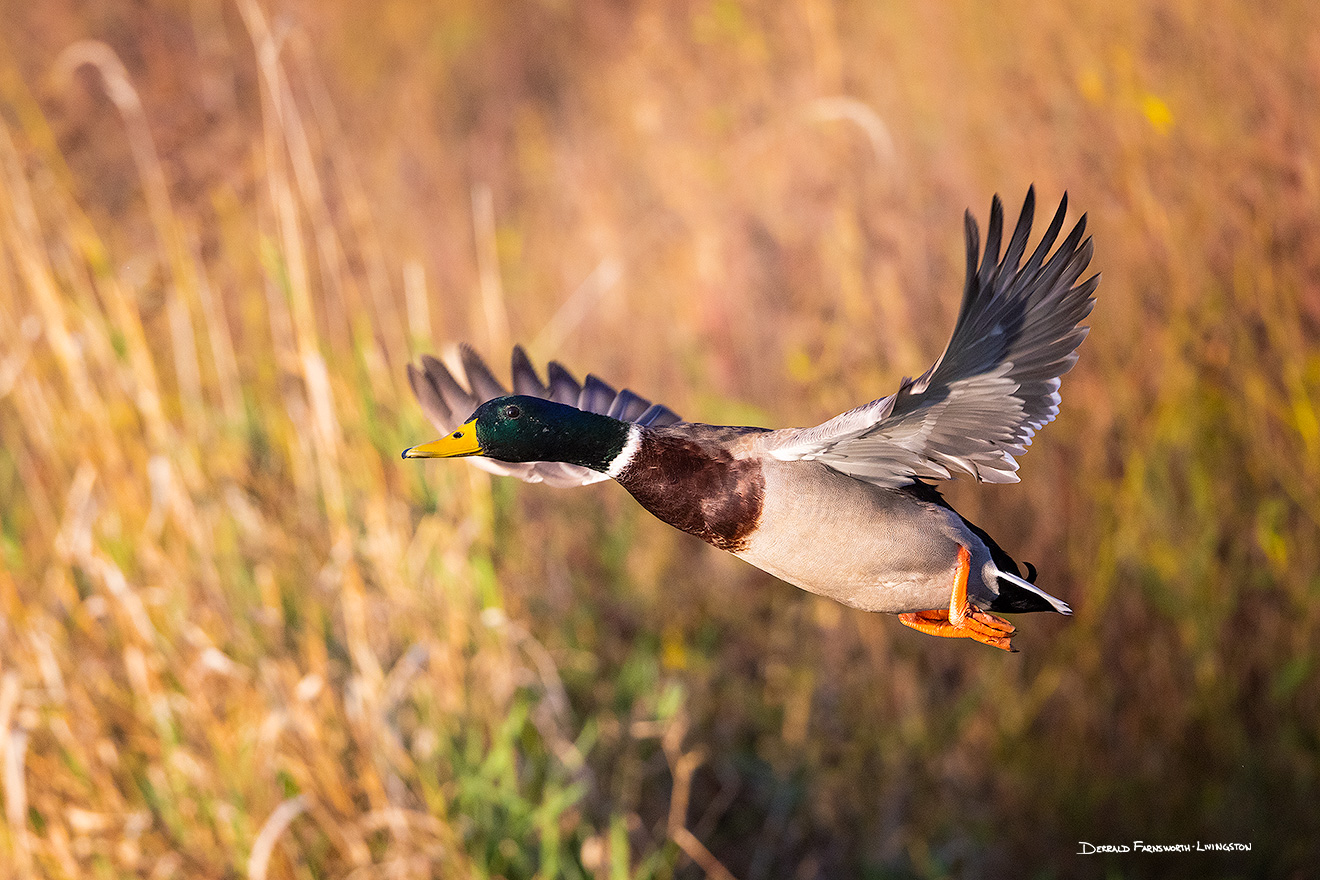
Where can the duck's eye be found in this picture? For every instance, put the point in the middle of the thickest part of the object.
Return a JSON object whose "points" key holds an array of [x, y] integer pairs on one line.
{"points": [[511, 411]]}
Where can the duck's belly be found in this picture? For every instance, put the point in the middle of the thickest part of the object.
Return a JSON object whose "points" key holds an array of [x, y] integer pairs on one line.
{"points": [[871, 548]]}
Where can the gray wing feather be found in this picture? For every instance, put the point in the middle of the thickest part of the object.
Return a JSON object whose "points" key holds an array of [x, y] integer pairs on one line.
{"points": [[596, 396], [448, 404], [480, 379], [563, 387], [525, 380], [627, 406], [658, 416], [997, 382]]}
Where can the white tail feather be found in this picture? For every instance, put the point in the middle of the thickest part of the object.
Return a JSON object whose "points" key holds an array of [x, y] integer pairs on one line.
{"points": [[1057, 604]]}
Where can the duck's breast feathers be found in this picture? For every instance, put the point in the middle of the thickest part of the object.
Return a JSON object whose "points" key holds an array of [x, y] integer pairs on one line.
{"points": [[447, 404], [997, 382], [689, 476]]}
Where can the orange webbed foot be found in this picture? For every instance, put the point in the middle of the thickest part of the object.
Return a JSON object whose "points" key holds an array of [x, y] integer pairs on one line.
{"points": [[962, 621]]}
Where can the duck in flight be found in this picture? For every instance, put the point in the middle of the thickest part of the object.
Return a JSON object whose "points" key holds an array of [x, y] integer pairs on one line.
{"points": [[844, 509]]}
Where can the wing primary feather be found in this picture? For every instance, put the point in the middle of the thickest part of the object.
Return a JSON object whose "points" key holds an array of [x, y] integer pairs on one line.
{"points": [[563, 387], [972, 234], [1047, 241], [433, 404], [1017, 245], [482, 382], [993, 234], [1066, 256], [596, 395], [627, 406], [457, 398], [658, 416], [525, 380]]}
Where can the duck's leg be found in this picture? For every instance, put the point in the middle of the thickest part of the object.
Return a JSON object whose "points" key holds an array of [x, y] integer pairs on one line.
{"points": [[962, 621]]}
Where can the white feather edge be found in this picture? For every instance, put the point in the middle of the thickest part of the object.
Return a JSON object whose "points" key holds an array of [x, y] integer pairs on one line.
{"points": [[1058, 604]]}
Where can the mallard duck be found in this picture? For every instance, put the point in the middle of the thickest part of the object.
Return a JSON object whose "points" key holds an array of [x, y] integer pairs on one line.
{"points": [[843, 509]]}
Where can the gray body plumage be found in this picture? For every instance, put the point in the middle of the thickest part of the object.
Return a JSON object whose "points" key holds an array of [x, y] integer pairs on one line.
{"points": [[869, 547]]}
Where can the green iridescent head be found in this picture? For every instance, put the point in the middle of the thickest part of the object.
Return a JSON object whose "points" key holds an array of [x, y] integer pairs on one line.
{"points": [[521, 428]]}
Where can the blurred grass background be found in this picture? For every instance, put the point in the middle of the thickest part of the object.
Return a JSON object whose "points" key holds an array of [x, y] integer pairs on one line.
{"points": [[240, 637]]}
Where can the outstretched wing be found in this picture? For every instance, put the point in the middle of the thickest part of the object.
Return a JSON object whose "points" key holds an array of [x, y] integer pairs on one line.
{"points": [[997, 382], [448, 404]]}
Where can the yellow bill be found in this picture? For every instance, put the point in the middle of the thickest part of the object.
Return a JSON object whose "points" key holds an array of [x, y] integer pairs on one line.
{"points": [[461, 442]]}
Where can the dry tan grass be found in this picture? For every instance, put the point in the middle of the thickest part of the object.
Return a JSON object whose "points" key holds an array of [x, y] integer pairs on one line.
{"points": [[240, 637]]}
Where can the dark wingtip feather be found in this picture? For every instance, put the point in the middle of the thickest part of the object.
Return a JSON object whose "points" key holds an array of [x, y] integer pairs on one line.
{"points": [[482, 382], [433, 403], [596, 396], [458, 400], [628, 406], [1017, 245], [993, 234], [525, 379], [563, 387], [972, 234], [1047, 240]]}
